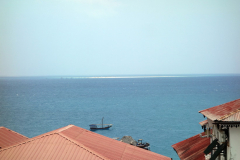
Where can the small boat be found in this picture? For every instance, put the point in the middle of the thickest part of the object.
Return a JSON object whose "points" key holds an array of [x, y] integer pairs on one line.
{"points": [[100, 126], [140, 144]]}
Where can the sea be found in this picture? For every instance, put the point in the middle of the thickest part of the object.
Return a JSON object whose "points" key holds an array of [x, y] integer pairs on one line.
{"points": [[162, 110]]}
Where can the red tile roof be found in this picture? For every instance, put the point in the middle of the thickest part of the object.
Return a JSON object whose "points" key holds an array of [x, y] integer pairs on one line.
{"points": [[108, 147], [203, 123], [192, 148], [76, 143], [233, 117], [9, 137], [53, 146], [223, 111]]}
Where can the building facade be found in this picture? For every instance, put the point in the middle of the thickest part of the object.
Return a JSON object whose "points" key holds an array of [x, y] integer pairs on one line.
{"points": [[221, 130], [224, 123]]}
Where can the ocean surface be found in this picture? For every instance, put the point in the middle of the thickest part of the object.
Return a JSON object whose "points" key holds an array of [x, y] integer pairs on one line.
{"points": [[161, 110]]}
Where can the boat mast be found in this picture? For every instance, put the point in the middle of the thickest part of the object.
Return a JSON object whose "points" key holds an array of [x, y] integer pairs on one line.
{"points": [[102, 122]]}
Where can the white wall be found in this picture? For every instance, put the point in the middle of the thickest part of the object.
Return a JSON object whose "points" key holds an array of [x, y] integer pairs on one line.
{"points": [[234, 144]]}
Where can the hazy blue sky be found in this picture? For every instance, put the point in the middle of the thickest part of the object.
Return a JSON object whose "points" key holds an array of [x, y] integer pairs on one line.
{"points": [[111, 37]]}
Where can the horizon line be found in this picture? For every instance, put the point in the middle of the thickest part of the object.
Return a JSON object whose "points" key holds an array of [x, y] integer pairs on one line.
{"points": [[124, 76]]}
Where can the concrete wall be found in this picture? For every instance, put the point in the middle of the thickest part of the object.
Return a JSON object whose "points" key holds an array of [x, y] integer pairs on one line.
{"points": [[233, 151]]}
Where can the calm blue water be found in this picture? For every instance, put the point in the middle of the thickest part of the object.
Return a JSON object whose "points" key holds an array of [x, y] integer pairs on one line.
{"points": [[161, 110]]}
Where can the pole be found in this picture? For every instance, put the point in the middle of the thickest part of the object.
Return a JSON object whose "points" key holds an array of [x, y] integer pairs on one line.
{"points": [[102, 122]]}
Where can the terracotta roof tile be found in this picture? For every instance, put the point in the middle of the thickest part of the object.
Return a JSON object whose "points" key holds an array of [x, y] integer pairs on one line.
{"points": [[192, 148], [233, 116], [203, 122], [72, 142], [108, 147], [222, 111], [9, 137], [49, 146]]}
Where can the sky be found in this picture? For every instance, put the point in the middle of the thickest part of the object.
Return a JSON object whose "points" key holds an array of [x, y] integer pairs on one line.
{"points": [[119, 37]]}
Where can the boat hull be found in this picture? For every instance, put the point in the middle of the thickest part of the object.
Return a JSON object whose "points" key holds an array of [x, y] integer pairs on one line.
{"points": [[100, 127], [104, 128]]}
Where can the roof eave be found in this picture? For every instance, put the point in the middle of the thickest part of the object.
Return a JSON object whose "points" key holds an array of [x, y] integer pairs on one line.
{"points": [[226, 122]]}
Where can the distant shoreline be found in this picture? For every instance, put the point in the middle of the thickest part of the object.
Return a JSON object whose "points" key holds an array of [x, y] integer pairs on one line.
{"points": [[121, 76]]}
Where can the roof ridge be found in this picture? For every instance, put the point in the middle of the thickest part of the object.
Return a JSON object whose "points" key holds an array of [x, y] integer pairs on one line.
{"points": [[14, 132], [37, 137], [125, 147], [81, 145], [26, 141], [45, 135], [64, 128], [228, 115]]}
